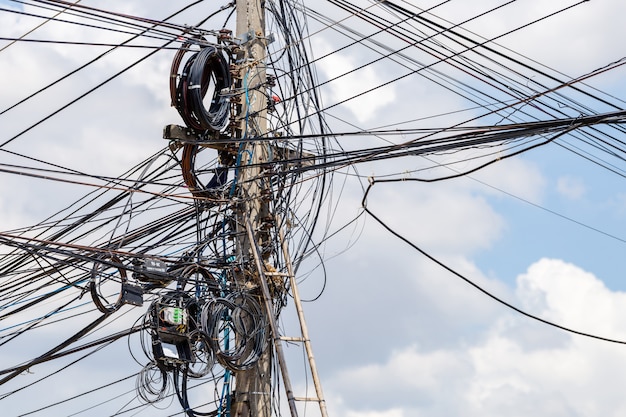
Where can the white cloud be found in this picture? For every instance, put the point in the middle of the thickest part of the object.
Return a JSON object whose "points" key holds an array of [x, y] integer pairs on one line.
{"points": [[501, 374], [572, 39], [337, 64], [570, 187], [389, 413], [575, 298], [439, 217], [516, 176]]}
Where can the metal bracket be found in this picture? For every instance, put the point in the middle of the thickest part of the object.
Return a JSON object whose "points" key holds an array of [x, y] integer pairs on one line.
{"points": [[245, 38]]}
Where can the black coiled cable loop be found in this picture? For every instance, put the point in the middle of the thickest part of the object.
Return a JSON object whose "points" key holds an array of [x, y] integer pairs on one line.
{"points": [[236, 330], [206, 73], [106, 285]]}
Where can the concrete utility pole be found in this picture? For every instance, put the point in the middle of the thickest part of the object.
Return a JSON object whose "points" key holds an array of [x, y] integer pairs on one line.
{"points": [[252, 393], [252, 396]]}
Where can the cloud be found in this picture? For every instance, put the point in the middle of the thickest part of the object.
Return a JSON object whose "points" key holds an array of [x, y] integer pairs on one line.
{"points": [[388, 413], [572, 39], [500, 373], [575, 297], [517, 176], [571, 188], [365, 107], [440, 217]]}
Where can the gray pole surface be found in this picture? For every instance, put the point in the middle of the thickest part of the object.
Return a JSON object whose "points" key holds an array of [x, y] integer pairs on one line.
{"points": [[252, 393]]}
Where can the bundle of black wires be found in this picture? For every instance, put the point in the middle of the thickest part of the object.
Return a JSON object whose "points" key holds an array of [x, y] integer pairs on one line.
{"points": [[206, 72]]}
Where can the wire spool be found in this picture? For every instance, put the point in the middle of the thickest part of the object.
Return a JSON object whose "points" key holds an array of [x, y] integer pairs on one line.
{"points": [[106, 285], [203, 78]]}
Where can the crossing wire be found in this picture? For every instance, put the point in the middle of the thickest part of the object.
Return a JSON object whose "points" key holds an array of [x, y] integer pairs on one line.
{"points": [[118, 216]]}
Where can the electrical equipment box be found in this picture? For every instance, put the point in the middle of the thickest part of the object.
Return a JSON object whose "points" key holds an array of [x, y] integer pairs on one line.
{"points": [[179, 352], [171, 320], [132, 294], [171, 317], [151, 270]]}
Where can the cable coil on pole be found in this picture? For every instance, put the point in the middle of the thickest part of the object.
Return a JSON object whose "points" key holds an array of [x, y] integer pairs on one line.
{"points": [[108, 279], [236, 330], [193, 176], [205, 73]]}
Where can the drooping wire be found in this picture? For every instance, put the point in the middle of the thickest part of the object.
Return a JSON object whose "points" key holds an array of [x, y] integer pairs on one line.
{"points": [[472, 283]]}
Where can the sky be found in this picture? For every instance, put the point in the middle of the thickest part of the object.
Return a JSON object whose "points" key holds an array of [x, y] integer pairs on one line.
{"points": [[394, 334]]}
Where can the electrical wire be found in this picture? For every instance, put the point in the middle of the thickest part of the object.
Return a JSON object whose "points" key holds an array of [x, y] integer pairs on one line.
{"points": [[472, 283], [164, 212]]}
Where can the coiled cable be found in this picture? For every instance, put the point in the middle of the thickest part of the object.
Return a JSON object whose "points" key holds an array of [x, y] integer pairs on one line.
{"points": [[105, 287], [209, 189], [152, 384], [206, 72], [236, 329]]}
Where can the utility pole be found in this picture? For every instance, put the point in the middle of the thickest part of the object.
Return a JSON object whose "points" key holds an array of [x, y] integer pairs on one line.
{"points": [[258, 229], [252, 393]]}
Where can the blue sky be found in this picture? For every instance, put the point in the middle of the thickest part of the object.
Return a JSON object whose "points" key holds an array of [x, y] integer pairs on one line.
{"points": [[563, 226], [11, 4]]}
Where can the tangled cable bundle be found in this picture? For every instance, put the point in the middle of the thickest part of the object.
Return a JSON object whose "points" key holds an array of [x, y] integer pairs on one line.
{"points": [[136, 236], [236, 328], [209, 333], [203, 356], [198, 279], [206, 72], [152, 384]]}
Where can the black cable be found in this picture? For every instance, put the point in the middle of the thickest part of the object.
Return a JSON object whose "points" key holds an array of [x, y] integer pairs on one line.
{"points": [[45, 356], [472, 283], [91, 391], [119, 19], [3, 396], [100, 56], [204, 70], [77, 43]]}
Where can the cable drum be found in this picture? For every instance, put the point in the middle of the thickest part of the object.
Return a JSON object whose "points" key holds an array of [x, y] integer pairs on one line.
{"points": [[204, 77]]}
